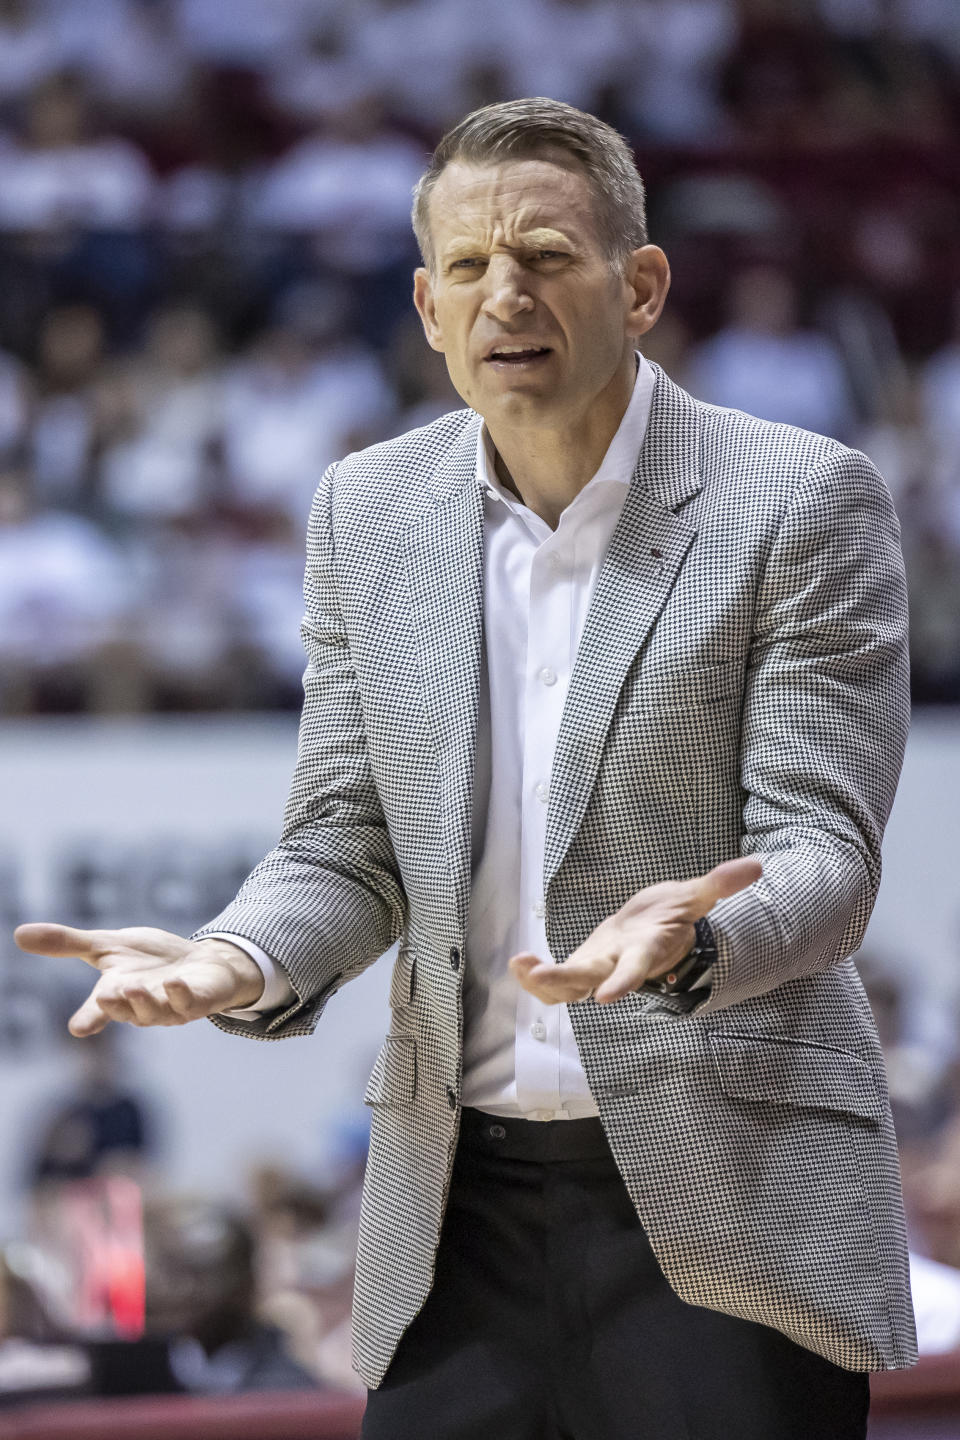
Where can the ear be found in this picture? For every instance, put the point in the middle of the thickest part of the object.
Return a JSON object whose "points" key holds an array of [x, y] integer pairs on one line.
{"points": [[647, 278], [426, 308]]}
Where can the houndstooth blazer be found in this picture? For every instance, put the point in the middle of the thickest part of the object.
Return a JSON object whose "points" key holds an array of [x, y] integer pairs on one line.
{"points": [[740, 688]]}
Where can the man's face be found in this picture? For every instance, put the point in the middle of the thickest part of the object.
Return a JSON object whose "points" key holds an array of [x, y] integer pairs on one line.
{"points": [[528, 311]]}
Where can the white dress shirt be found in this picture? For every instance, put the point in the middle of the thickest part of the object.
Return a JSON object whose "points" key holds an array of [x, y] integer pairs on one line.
{"points": [[520, 1056]]}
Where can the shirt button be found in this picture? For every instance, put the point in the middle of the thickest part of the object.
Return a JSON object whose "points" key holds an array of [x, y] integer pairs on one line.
{"points": [[542, 791], [498, 1132], [538, 1030], [539, 909], [547, 675]]}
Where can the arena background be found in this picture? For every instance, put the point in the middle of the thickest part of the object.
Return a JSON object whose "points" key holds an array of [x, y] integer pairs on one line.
{"points": [[205, 262]]}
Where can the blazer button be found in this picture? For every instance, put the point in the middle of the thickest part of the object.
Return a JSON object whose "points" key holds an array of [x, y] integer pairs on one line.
{"points": [[454, 957], [451, 1097]]}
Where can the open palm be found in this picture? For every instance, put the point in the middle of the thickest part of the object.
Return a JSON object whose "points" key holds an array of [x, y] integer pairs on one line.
{"points": [[645, 937], [149, 976]]}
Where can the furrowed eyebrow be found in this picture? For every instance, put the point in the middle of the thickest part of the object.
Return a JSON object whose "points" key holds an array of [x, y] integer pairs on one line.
{"points": [[545, 239], [541, 238]]}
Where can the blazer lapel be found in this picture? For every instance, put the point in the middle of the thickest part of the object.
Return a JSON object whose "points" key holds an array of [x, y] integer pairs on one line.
{"points": [[646, 552], [443, 554]]}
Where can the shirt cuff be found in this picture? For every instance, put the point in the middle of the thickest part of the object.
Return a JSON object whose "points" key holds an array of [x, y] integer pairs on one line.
{"points": [[277, 990]]}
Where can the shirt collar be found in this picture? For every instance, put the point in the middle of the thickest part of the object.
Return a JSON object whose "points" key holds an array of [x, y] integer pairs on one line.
{"points": [[617, 465]]}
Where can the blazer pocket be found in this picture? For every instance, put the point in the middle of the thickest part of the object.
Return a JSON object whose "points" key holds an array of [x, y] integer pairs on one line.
{"points": [[393, 1080], [788, 1072], [665, 688], [402, 982]]}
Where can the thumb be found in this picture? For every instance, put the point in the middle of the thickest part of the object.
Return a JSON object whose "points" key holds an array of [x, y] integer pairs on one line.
{"points": [[521, 965], [47, 939], [727, 879]]}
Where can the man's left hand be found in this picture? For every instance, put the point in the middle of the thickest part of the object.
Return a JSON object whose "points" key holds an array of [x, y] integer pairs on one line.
{"points": [[644, 939]]}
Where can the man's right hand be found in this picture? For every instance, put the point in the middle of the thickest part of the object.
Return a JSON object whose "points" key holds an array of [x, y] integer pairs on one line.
{"points": [[150, 977]]}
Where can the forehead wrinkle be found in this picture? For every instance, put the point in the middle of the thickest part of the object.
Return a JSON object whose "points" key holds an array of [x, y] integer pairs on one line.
{"points": [[541, 237], [477, 205]]}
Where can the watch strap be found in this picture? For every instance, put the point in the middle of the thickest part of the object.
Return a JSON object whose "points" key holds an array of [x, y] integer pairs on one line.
{"points": [[685, 974]]}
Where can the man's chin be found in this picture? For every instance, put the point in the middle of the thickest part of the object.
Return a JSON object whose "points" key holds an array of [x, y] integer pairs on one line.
{"points": [[531, 404]]}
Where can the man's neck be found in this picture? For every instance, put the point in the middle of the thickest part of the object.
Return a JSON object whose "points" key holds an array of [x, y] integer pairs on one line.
{"points": [[547, 467]]}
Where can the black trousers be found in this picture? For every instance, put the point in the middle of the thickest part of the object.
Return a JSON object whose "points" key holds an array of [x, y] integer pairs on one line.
{"points": [[550, 1319]]}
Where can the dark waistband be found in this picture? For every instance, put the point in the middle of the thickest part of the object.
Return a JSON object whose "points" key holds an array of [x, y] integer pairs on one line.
{"points": [[539, 1140]]}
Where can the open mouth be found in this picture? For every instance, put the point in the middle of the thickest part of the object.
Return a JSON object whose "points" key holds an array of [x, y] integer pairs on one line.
{"points": [[518, 354]]}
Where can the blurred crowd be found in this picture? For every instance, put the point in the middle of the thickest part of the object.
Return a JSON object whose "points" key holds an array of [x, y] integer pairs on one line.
{"points": [[117, 1285], [205, 261]]}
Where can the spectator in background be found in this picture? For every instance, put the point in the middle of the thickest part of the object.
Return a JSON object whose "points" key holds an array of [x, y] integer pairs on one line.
{"points": [[69, 361], [402, 41], [128, 51], [568, 49], [775, 78], [265, 580], [56, 175], [182, 620], [164, 467], [202, 1295], [669, 89], [303, 392], [31, 1365], [349, 183], [100, 1127], [764, 363], [29, 51], [326, 71], [64, 594], [308, 1242]]}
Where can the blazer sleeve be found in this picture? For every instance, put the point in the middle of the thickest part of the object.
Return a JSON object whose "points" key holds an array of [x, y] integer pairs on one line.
{"points": [[328, 900], [825, 719]]}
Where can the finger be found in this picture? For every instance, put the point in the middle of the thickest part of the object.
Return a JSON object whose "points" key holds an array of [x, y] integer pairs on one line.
{"points": [[630, 972], [725, 879], [556, 984], [116, 1007], [145, 1008], [46, 939], [538, 979], [88, 1020], [734, 875], [185, 1003], [138, 1005]]}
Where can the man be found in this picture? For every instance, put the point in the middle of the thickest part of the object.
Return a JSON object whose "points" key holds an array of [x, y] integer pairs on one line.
{"points": [[580, 675]]}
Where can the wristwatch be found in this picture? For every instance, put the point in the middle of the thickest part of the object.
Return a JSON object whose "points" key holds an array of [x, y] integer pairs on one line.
{"points": [[690, 969]]}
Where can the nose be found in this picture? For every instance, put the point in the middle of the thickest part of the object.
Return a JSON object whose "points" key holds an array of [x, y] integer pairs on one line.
{"points": [[507, 295]]}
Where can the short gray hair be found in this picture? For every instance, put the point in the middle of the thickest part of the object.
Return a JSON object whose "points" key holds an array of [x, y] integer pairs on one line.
{"points": [[527, 129]]}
